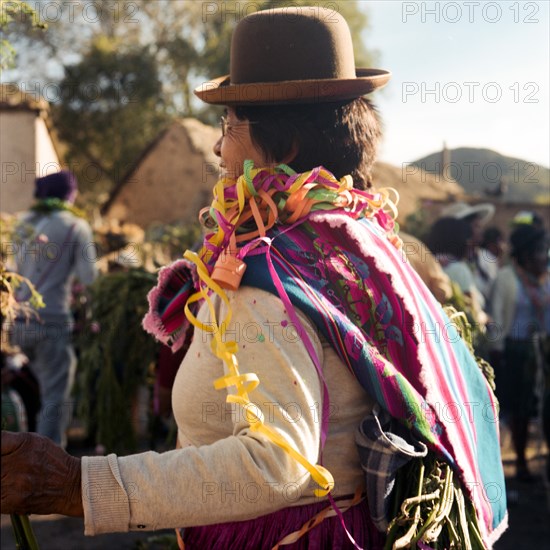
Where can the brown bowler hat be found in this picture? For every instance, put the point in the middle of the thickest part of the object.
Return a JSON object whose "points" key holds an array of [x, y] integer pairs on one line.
{"points": [[291, 55]]}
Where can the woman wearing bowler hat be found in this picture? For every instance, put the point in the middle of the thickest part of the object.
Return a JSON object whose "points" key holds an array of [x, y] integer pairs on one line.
{"points": [[315, 346]]}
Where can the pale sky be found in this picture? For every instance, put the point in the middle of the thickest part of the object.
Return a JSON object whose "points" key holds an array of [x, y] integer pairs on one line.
{"points": [[474, 74]]}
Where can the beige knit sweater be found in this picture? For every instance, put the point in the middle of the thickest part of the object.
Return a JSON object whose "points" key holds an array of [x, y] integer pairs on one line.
{"points": [[224, 471]]}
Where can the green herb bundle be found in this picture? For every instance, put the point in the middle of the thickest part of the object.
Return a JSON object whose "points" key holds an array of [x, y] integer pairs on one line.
{"points": [[116, 355], [431, 511], [9, 309], [52, 204]]}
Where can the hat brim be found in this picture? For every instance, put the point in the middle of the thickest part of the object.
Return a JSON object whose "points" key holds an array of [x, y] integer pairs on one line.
{"points": [[220, 91], [484, 211]]}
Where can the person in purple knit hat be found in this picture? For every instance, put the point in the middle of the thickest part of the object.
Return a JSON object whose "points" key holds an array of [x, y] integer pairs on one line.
{"points": [[55, 247]]}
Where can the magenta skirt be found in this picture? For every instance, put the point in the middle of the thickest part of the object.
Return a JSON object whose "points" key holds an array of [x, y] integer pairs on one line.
{"points": [[265, 532]]}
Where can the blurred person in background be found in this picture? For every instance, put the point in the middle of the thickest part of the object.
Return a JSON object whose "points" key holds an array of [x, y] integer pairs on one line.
{"points": [[428, 268], [55, 248], [449, 240], [492, 250], [520, 309], [527, 217], [483, 266]]}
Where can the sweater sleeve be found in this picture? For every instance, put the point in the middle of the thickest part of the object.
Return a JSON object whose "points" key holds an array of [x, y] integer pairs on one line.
{"points": [[235, 478]]}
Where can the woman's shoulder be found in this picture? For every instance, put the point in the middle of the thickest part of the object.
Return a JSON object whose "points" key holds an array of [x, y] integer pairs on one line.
{"points": [[253, 308]]}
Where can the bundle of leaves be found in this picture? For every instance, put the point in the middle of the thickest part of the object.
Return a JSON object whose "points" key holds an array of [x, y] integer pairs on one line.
{"points": [[116, 357], [431, 510], [10, 308], [473, 336]]}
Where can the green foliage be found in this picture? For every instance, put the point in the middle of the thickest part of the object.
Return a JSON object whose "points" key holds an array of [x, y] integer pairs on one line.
{"points": [[9, 309], [24, 535], [13, 12], [461, 311], [9, 280], [115, 357], [168, 242], [53, 204], [475, 339], [109, 110], [430, 507]]}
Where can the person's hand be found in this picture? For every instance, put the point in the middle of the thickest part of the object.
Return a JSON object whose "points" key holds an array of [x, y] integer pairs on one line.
{"points": [[38, 477]]}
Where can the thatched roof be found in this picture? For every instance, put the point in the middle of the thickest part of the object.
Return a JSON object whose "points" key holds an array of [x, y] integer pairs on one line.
{"points": [[14, 99]]}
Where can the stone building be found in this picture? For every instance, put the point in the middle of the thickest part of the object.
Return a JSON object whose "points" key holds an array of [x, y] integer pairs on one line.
{"points": [[27, 147]]}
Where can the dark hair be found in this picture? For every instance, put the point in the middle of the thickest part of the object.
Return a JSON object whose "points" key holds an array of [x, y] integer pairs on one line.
{"points": [[342, 136], [450, 236], [524, 241], [491, 235]]}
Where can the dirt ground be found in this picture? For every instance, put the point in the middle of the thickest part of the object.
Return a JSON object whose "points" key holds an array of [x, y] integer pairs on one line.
{"points": [[528, 508]]}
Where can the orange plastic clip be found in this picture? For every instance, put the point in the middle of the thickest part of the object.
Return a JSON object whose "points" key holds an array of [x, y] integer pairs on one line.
{"points": [[229, 270]]}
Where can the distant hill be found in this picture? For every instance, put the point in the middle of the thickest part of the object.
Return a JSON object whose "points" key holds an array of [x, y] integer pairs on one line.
{"points": [[481, 172], [414, 186]]}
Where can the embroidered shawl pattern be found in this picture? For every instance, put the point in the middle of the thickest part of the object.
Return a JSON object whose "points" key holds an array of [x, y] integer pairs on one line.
{"points": [[393, 335]]}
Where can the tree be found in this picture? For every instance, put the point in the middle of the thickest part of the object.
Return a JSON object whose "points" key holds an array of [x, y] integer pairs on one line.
{"points": [[74, 22], [138, 63], [188, 39], [108, 110], [15, 13]]}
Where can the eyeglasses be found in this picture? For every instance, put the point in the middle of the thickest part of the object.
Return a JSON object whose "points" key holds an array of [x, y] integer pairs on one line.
{"points": [[224, 124]]}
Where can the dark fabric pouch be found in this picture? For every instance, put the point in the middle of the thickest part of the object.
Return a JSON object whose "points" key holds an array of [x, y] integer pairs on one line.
{"points": [[384, 446]]}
